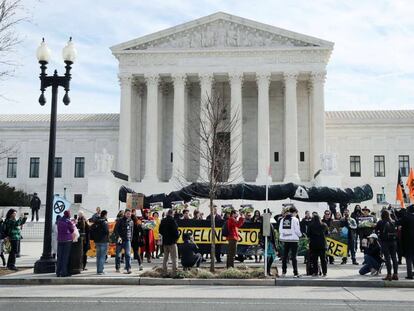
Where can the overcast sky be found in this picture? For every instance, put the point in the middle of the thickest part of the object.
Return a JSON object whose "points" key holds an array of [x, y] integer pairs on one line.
{"points": [[371, 66]]}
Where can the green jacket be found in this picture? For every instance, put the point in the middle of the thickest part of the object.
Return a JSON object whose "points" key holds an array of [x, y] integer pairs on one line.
{"points": [[12, 228]]}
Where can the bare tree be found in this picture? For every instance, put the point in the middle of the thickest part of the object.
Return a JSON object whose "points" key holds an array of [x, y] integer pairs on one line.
{"points": [[211, 131], [10, 17]]}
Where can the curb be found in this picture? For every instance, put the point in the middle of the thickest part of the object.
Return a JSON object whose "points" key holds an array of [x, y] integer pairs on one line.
{"points": [[207, 282]]}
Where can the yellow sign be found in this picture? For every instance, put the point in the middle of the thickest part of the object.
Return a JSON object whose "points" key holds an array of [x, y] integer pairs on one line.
{"points": [[336, 248], [202, 235]]}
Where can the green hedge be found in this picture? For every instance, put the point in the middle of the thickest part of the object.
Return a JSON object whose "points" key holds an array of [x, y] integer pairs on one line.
{"points": [[10, 196]]}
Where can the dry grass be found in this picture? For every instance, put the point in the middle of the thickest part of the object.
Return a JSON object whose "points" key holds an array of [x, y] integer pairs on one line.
{"points": [[242, 272]]}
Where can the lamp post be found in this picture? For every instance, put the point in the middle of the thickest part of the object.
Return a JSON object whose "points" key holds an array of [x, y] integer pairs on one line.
{"points": [[46, 263]]}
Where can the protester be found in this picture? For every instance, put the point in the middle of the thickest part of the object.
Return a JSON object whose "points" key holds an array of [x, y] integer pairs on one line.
{"points": [[137, 239], [327, 219], [338, 216], [169, 232], [271, 251], [55, 236], [387, 232], [83, 227], [366, 223], [99, 232], [189, 252], [407, 239], [372, 258], [12, 233], [233, 236], [257, 218], [149, 241], [356, 214], [217, 218], [35, 206], [317, 245], [96, 216], [186, 215], [65, 238], [248, 218], [157, 236], [2, 237], [289, 234], [350, 225], [124, 229]]}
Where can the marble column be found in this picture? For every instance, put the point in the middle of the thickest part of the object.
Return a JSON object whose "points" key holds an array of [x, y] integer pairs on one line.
{"points": [[291, 128], [125, 126], [318, 119], [206, 86], [236, 135], [179, 80], [151, 137], [263, 127], [136, 111]]}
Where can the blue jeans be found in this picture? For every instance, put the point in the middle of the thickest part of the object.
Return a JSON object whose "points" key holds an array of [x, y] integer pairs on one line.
{"points": [[101, 250], [126, 246], [63, 254], [369, 263]]}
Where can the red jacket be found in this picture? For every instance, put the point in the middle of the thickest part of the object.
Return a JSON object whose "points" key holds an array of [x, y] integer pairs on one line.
{"points": [[232, 226]]}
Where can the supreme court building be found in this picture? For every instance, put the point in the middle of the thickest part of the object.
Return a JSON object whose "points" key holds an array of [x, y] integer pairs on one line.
{"points": [[271, 78]]}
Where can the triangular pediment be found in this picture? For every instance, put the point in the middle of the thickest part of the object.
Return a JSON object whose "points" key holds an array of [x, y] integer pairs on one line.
{"points": [[219, 31]]}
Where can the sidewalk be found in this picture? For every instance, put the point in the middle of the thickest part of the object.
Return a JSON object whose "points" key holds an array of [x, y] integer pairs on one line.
{"points": [[338, 275]]}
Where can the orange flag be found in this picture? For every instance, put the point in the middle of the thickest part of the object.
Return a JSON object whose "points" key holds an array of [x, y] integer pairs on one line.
{"points": [[410, 184], [400, 190]]}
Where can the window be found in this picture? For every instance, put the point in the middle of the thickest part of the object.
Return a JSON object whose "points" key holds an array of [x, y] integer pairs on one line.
{"points": [[171, 157], [379, 166], [302, 156], [276, 156], [77, 198], [58, 167], [34, 167], [355, 166], [79, 167], [11, 167], [404, 165], [380, 198]]}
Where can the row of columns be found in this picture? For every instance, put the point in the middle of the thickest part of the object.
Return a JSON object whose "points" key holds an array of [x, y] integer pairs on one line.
{"points": [[317, 129]]}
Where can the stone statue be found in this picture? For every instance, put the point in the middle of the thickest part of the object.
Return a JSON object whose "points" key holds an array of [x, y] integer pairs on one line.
{"points": [[103, 161], [328, 161]]}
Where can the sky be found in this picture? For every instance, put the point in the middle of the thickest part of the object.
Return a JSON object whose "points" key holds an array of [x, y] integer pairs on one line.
{"points": [[371, 66]]}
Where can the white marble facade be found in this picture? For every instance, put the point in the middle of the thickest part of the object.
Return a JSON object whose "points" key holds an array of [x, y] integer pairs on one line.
{"points": [[272, 78]]}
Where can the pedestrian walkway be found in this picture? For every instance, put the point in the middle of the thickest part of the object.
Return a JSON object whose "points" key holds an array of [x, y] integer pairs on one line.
{"points": [[337, 273]]}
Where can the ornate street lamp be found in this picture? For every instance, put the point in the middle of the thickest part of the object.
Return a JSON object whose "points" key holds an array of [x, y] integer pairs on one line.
{"points": [[46, 263]]}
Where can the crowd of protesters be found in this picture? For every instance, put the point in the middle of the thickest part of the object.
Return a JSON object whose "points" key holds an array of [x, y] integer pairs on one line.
{"points": [[147, 235]]}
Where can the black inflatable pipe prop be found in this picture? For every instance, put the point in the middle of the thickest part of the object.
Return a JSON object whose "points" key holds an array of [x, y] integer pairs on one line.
{"points": [[258, 193]]}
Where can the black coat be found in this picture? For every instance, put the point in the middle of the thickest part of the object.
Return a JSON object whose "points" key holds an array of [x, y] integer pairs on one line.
{"points": [[169, 231], [316, 234], [102, 231], [35, 203], [188, 250], [374, 251], [125, 228], [407, 233]]}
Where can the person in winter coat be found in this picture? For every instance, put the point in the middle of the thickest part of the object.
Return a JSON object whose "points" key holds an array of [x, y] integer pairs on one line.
{"points": [[233, 226], [65, 230], [349, 223], [407, 239], [54, 237], [100, 234], [386, 229], [124, 230], [189, 252], [137, 239], [83, 227], [317, 244], [2, 237], [170, 235], [327, 219], [372, 258], [12, 230], [35, 206], [289, 234]]}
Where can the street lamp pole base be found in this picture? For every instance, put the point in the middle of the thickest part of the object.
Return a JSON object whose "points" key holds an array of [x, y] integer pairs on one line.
{"points": [[45, 265]]}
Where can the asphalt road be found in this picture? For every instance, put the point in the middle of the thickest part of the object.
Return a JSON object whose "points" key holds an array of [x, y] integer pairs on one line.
{"points": [[191, 304]]}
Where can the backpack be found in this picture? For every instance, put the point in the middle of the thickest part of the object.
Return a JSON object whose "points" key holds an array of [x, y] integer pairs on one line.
{"points": [[225, 230], [3, 230], [95, 230], [389, 232]]}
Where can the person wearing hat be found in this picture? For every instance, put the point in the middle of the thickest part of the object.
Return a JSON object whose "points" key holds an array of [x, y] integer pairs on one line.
{"points": [[189, 252], [65, 228], [364, 230], [372, 258], [35, 206]]}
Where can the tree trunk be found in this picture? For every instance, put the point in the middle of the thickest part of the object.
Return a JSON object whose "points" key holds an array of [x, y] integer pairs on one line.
{"points": [[213, 236]]}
